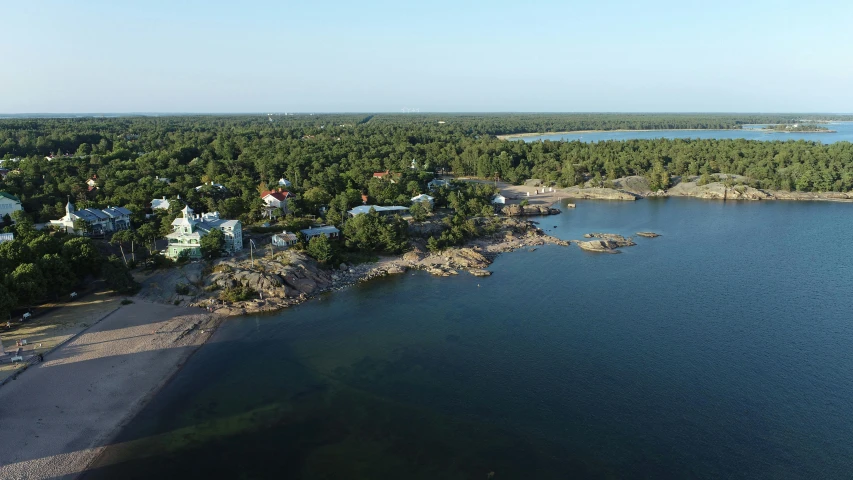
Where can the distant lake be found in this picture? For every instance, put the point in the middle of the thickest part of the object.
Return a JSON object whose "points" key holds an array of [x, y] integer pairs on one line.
{"points": [[723, 349], [750, 132]]}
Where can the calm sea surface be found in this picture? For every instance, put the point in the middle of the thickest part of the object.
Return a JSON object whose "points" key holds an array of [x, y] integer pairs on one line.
{"points": [[723, 349], [750, 132]]}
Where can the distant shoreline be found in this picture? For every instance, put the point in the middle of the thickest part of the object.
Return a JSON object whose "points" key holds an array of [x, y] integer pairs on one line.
{"points": [[532, 134]]}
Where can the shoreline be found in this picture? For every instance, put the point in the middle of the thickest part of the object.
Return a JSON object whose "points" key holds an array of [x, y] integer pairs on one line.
{"points": [[515, 136], [85, 392], [539, 134], [473, 257]]}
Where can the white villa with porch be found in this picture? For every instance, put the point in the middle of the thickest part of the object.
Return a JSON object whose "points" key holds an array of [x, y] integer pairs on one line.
{"points": [[188, 229]]}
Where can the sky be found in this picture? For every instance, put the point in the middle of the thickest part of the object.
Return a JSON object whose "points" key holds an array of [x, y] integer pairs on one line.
{"points": [[216, 56]]}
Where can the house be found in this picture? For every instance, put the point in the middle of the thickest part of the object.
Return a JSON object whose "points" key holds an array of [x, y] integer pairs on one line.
{"points": [[97, 221], [163, 179], [119, 218], [423, 198], [92, 182], [8, 204], [384, 211], [284, 183], [160, 204], [498, 200], [4, 172], [6, 237], [327, 231], [387, 175], [437, 183], [284, 239], [276, 198], [188, 229]]}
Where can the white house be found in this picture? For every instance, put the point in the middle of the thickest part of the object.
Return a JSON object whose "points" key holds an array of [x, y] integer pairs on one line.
{"points": [[283, 183], [423, 198], [284, 239], [97, 221], [327, 231], [498, 199], [160, 204], [6, 237], [119, 218], [276, 198], [188, 229], [437, 183], [8, 204], [384, 211]]}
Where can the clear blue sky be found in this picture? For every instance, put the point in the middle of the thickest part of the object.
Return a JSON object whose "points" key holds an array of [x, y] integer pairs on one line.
{"points": [[334, 56]]}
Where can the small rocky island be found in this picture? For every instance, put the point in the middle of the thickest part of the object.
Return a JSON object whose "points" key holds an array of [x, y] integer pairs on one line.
{"points": [[604, 242], [648, 234]]}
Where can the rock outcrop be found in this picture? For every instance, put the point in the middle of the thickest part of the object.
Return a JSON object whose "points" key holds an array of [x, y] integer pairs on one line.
{"points": [[528, 210], [598, 193], [648, 234], [604, 242], [296, 275]]}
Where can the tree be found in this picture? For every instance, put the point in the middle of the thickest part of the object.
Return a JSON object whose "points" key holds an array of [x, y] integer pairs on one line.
{"points": [[117, 276], [8, 300], [418, 211], [81, 256], [28, 283], [61, 278], [212, 244], [13, 254], [321, 249]]}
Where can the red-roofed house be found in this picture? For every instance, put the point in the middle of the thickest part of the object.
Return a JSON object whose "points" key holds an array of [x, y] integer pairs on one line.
{"points": [[387, 175], [276, 198]]}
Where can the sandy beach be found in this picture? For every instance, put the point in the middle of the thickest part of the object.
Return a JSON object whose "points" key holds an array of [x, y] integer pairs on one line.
{"points": [[59, 414]]}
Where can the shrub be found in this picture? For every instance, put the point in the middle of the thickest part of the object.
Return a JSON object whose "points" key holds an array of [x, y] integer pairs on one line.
{"points": [[237, 294]]}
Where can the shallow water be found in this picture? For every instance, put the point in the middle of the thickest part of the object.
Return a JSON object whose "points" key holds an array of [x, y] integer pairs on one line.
{"points": [[720, 349], [843, 133]]}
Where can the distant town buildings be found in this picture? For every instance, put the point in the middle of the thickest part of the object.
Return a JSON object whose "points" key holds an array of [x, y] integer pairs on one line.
{"points": [[8, 204], [188, 229], [97, 222]]}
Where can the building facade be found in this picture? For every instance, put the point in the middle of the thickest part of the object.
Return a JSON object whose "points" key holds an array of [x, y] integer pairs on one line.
{"points": [[189, 228], [8, 204], [97, 222]]}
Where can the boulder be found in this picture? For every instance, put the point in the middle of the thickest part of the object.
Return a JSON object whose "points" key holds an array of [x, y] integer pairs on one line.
{"points": [[516, 210]]}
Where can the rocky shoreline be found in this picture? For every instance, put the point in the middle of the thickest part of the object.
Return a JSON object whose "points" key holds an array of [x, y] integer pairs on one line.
{"points": [[292, 277], [637, 187]]}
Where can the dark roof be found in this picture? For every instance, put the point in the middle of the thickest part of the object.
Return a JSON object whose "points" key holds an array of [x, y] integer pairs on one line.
{"points": [[10, 196]]}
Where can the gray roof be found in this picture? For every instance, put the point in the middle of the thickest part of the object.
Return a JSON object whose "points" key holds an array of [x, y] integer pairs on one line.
{"points": [[379, 209], [99, 214], [319, 230], [116, 211]]}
